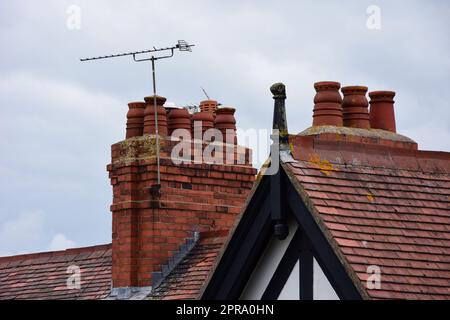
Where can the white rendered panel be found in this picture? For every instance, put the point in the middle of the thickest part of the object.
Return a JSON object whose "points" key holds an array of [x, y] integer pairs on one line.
{"points": [[291, 289], [267, 265], [322, 287]]}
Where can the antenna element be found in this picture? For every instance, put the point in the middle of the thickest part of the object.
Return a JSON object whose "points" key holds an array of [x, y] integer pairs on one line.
{"points": [[204, 91], [182, 46]]}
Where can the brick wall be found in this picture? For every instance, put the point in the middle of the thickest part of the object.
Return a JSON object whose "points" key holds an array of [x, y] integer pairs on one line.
{"points": [[149, 226]]}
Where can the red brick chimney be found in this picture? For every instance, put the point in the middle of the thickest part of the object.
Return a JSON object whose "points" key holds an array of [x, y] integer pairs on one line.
{"points": [[149, 224], [382, 110]]}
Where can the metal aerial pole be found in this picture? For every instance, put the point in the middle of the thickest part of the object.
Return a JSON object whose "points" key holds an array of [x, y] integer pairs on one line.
{"points": [[156, 122], [181, 46]]}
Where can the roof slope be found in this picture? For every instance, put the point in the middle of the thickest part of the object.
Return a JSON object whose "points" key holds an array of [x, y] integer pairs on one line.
{"points": [[382, 206], [187, 278], [44, 275]]}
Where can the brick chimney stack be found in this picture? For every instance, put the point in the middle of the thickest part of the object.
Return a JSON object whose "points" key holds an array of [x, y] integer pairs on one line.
{"points": [[149, 226]]}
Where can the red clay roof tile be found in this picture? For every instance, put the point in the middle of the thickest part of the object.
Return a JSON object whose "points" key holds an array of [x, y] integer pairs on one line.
{"points": [[187, 278], [392, 211], [44, 275]]}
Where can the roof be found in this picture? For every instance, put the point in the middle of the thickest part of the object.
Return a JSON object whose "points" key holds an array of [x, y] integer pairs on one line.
{"points": [[364, 200], [187, 278], [382, 206], [378, 201], [45, 275]]}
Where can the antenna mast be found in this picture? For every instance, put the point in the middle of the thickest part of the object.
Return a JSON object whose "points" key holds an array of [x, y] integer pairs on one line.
{"points": [[182, 46], [204, 91]]}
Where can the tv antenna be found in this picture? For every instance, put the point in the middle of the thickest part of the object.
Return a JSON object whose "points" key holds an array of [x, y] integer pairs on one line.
{"points": [[182, 46], [204, 91], [192, 108]]}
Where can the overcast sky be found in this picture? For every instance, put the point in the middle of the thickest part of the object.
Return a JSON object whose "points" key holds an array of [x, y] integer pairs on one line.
{"points": [[58, 116]]}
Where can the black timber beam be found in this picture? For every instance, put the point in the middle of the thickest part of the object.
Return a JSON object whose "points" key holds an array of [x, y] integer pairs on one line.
{"points": [[244, 248], [323, 252]]}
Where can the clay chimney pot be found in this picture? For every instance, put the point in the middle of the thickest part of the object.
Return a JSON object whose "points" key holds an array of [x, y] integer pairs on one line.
{"points": [[208, 106], [205, 119], [355, 107], [149, 116], [225, 121], [382, 115], [159, 100], [327, 104], [135, 119], [179, 118]]}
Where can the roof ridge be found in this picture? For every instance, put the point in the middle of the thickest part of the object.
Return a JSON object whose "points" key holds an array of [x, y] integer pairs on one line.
{"points": [[36, 255], [351, 166]]}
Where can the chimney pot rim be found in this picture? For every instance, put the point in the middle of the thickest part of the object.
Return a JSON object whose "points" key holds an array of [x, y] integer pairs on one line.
{"points": [[160, 100], [208, 101], [354, 89], [136, 104], [382, 94], [327, 85], [225, 109]]}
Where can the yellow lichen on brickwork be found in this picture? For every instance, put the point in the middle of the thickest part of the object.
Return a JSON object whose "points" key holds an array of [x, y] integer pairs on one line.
{"points": [[347, 131], [137, 148], [263, 169], [325, 166], [370, 197], [291, 147]]}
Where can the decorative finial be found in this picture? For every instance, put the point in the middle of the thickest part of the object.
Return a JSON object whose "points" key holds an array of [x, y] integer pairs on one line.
{"points": [[280, 138], [279, 115], [278, 90]]}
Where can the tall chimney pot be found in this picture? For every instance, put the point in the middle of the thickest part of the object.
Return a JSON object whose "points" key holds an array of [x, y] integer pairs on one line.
{"points": [[179, 118], [149, 116], [355, 107], [327, 104], [203, 119], [135, 119], [382, 114], [225, 121], [208, 106]]}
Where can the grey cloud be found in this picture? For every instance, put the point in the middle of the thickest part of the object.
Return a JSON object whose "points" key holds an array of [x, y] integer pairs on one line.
{"points": [[58, 116]]}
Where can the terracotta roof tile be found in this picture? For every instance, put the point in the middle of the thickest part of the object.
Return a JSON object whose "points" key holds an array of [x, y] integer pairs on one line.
{"points": [[393, 212], [44, 275], [187, 278]]}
